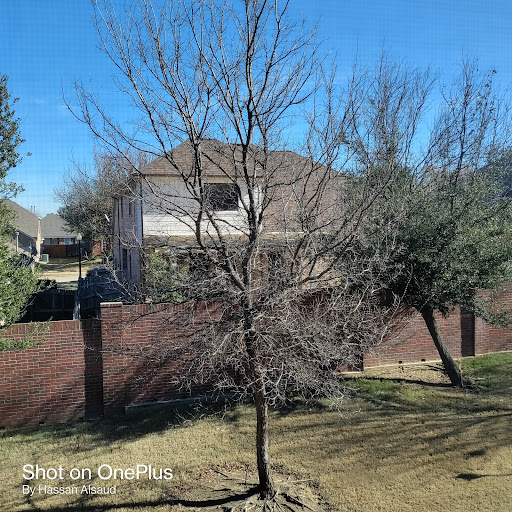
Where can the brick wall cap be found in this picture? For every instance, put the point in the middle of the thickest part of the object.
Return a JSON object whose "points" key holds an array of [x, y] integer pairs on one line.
{"points": [[111, 305]]}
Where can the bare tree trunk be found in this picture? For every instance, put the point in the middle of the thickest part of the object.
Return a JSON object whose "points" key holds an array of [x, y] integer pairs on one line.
{"points": [[451, 367], [266, 484]]}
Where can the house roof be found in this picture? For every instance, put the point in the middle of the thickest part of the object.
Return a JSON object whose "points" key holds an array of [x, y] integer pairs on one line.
{"points": [[219, 160], [53, 226], [224, 160], [25, 221]]}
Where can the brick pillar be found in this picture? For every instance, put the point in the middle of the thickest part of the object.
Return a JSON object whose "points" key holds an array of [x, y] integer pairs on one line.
{"points": [[481, 331], [112, 330], [93, 366], [467, 333]]}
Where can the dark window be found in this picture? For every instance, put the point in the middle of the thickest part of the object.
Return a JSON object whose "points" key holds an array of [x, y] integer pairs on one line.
{"points": [[125, 259], [222, 196]]}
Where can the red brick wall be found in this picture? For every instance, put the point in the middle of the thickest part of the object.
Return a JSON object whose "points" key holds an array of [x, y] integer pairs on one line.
{"points": [[141, 345], [465, 335], [494, 339], [412, 342], [490, 339], [93, 368], [46, 383]]}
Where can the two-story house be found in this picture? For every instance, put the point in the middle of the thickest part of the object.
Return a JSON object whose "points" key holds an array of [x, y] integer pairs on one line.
{"points": [[160, 212]]}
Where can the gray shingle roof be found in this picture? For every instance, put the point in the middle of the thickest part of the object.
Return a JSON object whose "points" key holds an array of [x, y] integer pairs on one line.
{"points": [[25, 221], [53, 226]]}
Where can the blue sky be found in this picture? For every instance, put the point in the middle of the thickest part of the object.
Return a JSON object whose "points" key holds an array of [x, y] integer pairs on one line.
{"points": [[46, 44]]}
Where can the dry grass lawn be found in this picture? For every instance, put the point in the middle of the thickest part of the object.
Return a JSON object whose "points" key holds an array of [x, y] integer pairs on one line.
{"points": [[67, 266], [402, 446]]}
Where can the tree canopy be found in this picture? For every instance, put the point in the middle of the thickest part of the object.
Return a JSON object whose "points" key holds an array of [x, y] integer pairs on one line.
{"points": [[18, 281], [10, 139], [87, 195], [452, 215]]}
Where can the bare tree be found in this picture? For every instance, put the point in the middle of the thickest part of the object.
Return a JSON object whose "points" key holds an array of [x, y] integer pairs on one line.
{"points": [[87, 193], [223, 92]]}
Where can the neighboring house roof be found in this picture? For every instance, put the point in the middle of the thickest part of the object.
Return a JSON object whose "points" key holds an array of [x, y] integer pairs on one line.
{"points": [[182, 157], [26, 221], [53, 226], [221, 160]]}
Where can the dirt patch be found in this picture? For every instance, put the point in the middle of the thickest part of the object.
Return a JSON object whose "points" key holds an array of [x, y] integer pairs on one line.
{"points": [[235, 491]]}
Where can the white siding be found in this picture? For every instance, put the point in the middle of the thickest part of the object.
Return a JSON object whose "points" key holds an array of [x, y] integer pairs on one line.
{"points": [[128, 235], [169, 210]]}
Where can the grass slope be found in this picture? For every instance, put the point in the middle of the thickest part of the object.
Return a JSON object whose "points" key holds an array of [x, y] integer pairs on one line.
{"points": [[401, 446]]}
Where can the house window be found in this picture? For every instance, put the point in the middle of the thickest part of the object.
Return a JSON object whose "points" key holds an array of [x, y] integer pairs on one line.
{"points": [[125, 260], [222, 196]]}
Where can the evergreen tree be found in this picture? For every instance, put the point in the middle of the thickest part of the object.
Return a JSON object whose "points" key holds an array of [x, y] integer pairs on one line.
{"points": [[454, 242], [18, 281]]}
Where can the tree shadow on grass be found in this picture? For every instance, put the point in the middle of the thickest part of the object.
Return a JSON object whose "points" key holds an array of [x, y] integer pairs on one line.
{"points": [[84, 436], [193, 504], [473, 476], [421, 433], [297, 404], [150, 419], [405, 380]]}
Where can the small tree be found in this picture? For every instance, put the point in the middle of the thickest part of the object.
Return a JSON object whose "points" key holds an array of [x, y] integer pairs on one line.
{"points": [[453, 237], [87, 194], [17, 279], [10, 140]]}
